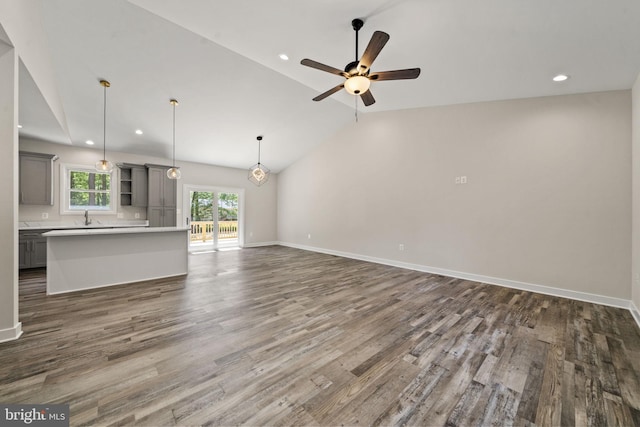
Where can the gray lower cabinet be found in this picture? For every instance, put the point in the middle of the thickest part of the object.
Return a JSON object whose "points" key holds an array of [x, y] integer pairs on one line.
{"points": [[32, 249], [159, 216], [36, 178], [161, 201]]}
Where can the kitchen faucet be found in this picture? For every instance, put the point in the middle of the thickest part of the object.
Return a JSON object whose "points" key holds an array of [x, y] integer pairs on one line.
{"points": [[87, 221]]}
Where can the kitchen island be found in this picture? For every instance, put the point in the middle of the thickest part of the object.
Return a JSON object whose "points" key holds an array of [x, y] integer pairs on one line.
{"points": [[93, 258]]}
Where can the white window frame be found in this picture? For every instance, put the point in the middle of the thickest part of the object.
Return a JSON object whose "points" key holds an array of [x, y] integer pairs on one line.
{"points": [[65, 169]]}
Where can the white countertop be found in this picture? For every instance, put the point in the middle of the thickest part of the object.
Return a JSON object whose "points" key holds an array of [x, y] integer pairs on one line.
{"points": [[103, 231], [65, 225]]}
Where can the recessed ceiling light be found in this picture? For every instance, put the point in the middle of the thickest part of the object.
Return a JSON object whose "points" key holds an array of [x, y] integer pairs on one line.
{"points": [[89, 142], [138, 132], [560, 78], [19, 126], [284, 56]]}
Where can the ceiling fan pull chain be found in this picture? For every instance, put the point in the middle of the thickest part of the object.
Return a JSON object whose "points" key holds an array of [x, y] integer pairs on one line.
{"points": [[356, 101]]}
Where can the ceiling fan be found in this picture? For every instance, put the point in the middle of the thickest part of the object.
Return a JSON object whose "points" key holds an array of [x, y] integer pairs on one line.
{"points": [[357, 73]]}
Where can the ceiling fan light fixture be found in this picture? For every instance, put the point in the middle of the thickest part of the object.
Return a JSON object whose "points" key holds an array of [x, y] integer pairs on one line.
{"points": [[357, 85]]}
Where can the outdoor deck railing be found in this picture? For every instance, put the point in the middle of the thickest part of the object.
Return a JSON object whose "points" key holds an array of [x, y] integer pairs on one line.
{"points": [[202, 231]]}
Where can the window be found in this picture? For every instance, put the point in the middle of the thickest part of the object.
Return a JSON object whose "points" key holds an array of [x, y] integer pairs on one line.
{"points": [[87, 189]]}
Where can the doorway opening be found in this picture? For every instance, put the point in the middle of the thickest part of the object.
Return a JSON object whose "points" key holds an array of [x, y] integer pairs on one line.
{"points": [[214, 218]]}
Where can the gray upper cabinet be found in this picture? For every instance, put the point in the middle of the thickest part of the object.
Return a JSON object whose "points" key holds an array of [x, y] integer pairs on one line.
{"points": [[36, 178], [133, 185], [161, 201]]}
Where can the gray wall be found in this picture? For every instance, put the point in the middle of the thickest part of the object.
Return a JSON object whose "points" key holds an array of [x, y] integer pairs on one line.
{"points": [[10, 327], [259, 207], [548, 198]]}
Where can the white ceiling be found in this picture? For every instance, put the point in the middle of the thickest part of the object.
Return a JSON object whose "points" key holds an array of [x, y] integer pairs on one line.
{"points": [[220, 60]]}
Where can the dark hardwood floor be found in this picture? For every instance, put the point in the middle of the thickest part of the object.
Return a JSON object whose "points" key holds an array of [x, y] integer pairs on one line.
{"points": [[280, 336]]}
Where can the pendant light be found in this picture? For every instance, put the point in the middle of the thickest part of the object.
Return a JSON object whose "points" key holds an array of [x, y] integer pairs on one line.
{"points": [[104, 165], [259, 173], [174, 172]]}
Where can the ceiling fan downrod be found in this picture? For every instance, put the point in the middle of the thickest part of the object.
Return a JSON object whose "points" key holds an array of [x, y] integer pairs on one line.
{"points": [[357, 24]]}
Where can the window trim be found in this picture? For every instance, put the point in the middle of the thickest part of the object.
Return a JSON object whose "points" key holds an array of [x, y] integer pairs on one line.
{"points": [[65, 169]]}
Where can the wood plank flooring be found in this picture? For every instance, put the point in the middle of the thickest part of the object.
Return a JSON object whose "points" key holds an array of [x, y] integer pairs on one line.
{"points": [[279, 336]]}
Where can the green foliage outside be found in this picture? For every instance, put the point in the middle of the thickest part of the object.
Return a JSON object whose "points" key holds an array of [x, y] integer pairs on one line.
{"points": [[202, 206], [89, 190]]}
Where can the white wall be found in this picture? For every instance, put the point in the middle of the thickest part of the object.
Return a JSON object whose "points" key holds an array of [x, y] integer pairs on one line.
{"points": [[635, 261], [259, 207], [547, 200]]}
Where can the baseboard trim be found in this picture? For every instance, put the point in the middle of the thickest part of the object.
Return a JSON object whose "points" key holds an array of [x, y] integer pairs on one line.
{"points": [[547, 290], [259, 244], [634, 312], [106, 285], [11, 334]]}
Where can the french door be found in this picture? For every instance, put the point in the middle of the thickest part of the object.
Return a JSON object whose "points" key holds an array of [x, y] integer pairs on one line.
{"points": [[213, 216]]}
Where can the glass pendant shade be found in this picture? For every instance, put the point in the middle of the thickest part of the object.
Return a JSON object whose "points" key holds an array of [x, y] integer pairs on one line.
{"points": [[174, 173], [357, 85], [104, 165], [259, 173]]}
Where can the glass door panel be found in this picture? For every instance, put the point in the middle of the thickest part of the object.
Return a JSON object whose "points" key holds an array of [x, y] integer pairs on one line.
{"points": [[201, 219], [213, 219], [227, 229]]}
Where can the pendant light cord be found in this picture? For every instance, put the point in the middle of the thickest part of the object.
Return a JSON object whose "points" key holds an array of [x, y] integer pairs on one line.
{"points": [[104, 125], [258, 152], [174, 134]]}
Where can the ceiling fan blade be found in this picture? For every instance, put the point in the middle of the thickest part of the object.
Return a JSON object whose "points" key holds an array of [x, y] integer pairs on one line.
{"points": [[367, 98], [377, 42], [328, 93], [318, 66], [409, 73]]}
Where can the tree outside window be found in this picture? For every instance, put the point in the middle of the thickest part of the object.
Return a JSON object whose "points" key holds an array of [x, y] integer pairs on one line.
{"points": [[89, 190]]}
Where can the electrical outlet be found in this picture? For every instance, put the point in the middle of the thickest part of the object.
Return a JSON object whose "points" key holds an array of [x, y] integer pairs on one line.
{"points": [[137, 215], [45, 215], [463, 180], [120, 215], [457, 180], [401, 247], [309, 236]]}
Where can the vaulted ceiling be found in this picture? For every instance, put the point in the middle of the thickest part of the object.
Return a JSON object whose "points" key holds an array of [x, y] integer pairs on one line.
{"points": [[221, 61]]}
